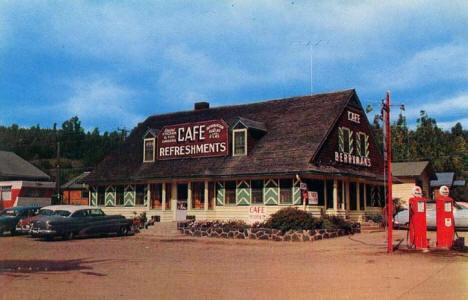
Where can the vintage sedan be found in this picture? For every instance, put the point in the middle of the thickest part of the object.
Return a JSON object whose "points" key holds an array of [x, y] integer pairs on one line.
{"points": [[24, 225], [460, 215], [9, 217], [80, 220]]}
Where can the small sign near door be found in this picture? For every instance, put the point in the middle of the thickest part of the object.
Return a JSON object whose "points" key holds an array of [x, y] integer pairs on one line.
{"points": [[313, 197], [257, 214]]}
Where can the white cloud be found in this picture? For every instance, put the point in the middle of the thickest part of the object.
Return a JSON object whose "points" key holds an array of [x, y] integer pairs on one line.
{"points": [[448, 125], [456, 105], [97, 99]]}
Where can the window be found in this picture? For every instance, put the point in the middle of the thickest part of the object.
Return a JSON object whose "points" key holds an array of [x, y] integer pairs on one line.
{"points": [[211, 194], [361, 195], [198, 195], [346, 140], [239, 146], [140, 194], [353, 205], [230, 192], [5, 194], [316, 185], [148, 150], [286, 191], [329, 193], [257, 191], [119, 195], [85, 194], [168, 195], [101, 196], [96, 213]]}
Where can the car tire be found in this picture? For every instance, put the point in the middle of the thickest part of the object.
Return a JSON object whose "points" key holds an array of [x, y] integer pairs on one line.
{"points": [[49, 238], [123, 231], [69, 236], [13, 232]]}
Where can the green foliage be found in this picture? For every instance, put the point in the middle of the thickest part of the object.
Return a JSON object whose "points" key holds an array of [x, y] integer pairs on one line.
{"points": [[80, 150], [292, 218], [335, 222]]}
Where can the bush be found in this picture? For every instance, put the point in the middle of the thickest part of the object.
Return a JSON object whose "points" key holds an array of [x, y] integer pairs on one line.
{"points": [[292, 218], [335, 222]]}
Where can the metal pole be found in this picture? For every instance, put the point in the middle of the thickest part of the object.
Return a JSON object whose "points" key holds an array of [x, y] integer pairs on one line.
{"points": [[389, 176], [57, 179]]}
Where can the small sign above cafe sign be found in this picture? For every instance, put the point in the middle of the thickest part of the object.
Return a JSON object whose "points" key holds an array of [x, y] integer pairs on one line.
{"points": [[201, 139]]}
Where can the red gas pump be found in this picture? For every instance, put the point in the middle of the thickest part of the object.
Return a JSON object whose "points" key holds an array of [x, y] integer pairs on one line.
{"points": [[417, 220], [445, 221]]}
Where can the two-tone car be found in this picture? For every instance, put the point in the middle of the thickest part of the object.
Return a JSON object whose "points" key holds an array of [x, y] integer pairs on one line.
{"points": [[9, 217], [24, 225], [80, 221]]}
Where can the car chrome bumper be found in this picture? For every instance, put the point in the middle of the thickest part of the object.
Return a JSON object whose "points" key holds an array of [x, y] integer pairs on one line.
{"points": [[43, 232], [22, 229]]}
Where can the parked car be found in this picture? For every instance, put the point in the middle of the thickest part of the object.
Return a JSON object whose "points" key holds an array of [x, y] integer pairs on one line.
{"points": [[460, 214], [80, 220], [9, 217], [24, 225]]}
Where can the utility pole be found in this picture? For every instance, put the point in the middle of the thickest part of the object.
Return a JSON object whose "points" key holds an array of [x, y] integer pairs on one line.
{"points": [[388, 158], [57, 179]]}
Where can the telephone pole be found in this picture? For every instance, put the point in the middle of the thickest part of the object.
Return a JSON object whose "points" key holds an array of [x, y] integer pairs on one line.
{"points": [[57, 179], [388, 159]]}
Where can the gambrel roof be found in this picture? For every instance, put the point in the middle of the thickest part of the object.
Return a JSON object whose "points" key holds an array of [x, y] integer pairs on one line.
{"points": [[295, 130]]}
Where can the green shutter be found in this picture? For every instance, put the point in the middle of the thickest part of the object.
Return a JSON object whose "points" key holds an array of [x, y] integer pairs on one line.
{"points": [[220, 193], [271, 192], [243, 192], [145, 197], [296, 192], [340, 140], [358, 144], [94, 195], [351, 142], [110, 196], [366, 151], [129, 195]]}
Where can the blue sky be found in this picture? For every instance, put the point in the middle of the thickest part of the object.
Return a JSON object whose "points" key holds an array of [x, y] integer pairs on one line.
{"points": [[113, 63]]}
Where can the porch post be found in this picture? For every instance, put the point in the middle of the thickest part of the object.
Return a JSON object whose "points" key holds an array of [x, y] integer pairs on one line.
{"points": [[335, 195], [205, 196], [358, 195], [365, 196], [163, 196], [189, 196], [148, 196], [174, 199]]}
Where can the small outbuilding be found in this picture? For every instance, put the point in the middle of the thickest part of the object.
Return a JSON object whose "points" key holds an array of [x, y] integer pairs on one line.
{"points": [[76, 191], [21, 183]]}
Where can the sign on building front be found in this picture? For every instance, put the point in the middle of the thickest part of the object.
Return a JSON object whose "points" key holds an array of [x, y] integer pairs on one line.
{"points": [[201, 139], [257, 214]]}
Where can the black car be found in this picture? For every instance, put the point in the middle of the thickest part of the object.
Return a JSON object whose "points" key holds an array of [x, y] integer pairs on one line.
{"points": [[9, 217], [81, 220]]}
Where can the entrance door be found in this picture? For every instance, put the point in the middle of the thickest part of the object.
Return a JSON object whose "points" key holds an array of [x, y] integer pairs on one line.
{"points": [[353, 205], [182, 195]]}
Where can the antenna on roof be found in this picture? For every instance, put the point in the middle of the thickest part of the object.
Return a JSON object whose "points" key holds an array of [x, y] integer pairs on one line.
{"points": [[310, 44]]}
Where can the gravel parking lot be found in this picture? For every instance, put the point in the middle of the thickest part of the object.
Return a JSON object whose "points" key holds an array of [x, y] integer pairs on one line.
{"points": [[147, 266]]}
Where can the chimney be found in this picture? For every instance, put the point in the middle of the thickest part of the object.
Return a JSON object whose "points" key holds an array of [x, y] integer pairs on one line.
{"points": [[201, 105]]}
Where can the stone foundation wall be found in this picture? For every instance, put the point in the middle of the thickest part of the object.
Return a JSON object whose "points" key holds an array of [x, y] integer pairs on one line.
{"points": [[227, 232]]}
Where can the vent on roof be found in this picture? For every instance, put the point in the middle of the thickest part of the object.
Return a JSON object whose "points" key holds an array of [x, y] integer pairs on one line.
{"points": [[202, 105]]}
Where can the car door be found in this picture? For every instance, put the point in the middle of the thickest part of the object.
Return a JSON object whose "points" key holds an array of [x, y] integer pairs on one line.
{"points": [[99, 222]]}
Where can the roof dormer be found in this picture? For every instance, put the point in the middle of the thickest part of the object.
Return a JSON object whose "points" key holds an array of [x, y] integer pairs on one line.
{"points": [[149, 145], [245, 133]]}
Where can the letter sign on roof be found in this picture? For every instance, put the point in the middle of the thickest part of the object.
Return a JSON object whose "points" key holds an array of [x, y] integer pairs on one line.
{"points": [[202, 139]]}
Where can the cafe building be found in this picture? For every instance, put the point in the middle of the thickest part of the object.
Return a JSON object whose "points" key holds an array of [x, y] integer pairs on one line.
{"points": [[247, 161]]}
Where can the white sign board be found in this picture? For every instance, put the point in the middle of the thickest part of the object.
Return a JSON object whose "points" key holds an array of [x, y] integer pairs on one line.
{"points": [[313, 198], [257, 214]]}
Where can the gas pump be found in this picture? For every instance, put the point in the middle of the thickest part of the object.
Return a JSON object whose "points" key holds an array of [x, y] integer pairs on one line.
{"points": [[417, 220], [444, 218]]}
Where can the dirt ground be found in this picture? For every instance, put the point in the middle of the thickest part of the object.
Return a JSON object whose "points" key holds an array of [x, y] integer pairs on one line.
{"points": [[146, 266]]}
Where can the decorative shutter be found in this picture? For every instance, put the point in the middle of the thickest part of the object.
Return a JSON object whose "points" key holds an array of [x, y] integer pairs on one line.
{"points": [[145, 197], [359, 135], [351, 142], [110, 196], [243, 192], [271, 192], [296, 192], [340, 140], [94, 196], [129, 195], [366, 142], [220, 193]]}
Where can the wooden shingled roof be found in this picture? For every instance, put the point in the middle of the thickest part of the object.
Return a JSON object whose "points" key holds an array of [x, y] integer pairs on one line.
{"points": [[295, 127]]}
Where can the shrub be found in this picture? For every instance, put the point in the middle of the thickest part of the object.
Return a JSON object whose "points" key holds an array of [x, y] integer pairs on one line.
{"points": [[335, 222], [292, 218]]}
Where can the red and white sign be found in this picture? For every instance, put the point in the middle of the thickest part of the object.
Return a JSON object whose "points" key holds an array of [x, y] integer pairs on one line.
{"points": [[202, 139], [257, 214], [313, 198]]}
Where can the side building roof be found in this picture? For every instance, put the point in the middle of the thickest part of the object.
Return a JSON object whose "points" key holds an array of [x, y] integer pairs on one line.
{"points": [[412, 169], [295, 130], [13, 167], [76, 183]]}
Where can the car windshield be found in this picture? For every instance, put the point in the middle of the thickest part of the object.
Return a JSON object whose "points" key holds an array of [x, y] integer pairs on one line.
{"points": [[46, 212], [63, 213], [10, 212]]}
